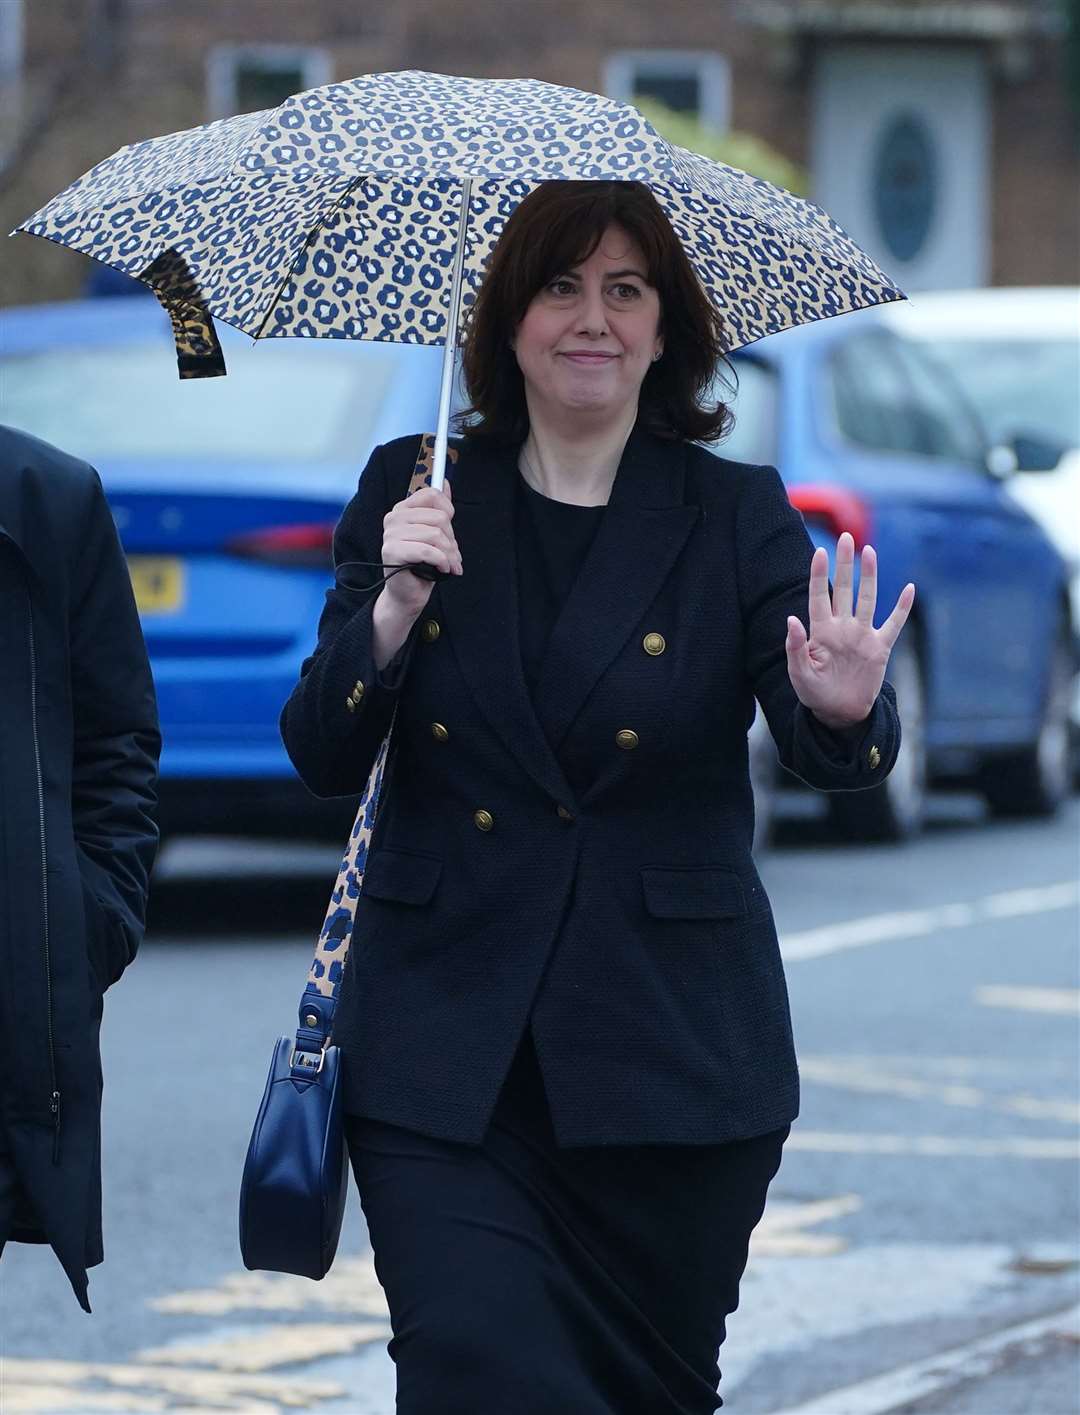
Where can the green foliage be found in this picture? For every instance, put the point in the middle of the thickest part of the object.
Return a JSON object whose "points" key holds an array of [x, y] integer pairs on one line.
{"points": [[743, 150]]}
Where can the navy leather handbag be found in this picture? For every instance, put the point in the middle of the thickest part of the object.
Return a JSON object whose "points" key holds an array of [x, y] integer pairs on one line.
{"points": [[292, 1197], [295, 1182]]}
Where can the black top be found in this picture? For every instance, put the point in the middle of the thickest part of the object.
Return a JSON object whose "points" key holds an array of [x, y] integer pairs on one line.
{"points": [[552, 541]]}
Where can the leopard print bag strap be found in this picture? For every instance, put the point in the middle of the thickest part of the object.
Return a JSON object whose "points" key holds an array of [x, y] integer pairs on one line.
{"points": [[332, 947]]}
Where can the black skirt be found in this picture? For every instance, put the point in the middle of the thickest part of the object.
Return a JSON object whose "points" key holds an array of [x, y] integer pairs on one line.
{"points": [[524, 1279]]}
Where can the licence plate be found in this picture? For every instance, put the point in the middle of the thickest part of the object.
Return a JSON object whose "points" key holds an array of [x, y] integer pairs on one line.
{"points": [[158, 582]]}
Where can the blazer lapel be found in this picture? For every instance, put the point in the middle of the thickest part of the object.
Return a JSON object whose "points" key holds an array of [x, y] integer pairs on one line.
{"points": [[640, 537], [480, 609]]}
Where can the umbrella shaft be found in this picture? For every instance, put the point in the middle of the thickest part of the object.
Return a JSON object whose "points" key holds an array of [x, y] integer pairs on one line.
{"points": [[438, 473]]}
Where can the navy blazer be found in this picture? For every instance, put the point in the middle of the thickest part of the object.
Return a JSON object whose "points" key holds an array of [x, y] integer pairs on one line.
{"points": [[629, 919]]}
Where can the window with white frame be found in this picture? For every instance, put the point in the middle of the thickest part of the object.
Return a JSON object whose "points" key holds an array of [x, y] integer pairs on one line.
{"points": [[697, 84], [244, 78]]}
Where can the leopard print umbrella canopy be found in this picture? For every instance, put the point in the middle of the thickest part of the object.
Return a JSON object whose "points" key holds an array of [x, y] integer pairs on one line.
{"points": [[336, 214]]}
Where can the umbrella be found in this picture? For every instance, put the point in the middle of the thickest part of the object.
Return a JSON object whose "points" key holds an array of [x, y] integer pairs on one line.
{"points": [[368, 209]]}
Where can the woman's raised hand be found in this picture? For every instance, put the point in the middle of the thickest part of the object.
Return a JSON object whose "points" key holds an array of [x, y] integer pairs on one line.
{"points": [[419, 529], [838, 672]]}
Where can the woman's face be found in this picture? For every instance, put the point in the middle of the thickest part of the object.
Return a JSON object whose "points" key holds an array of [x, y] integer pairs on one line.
{"points": [[588, 337]]}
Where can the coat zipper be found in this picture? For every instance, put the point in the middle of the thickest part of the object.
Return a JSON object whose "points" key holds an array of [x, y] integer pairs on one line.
{"points": [[54, 1097]]}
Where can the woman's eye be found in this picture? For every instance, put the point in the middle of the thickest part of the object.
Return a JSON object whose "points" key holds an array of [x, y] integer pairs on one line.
{"points": [[621, 290]]}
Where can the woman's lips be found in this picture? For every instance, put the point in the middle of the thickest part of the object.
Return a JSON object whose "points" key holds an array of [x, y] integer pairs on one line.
{"points": [[589, 359]]}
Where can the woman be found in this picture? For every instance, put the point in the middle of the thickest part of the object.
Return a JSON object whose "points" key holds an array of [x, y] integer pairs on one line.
{"points": [[564, 1025]]}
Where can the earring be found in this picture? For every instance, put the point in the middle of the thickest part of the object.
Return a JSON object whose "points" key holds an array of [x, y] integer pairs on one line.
{"points": [[657, 355]]}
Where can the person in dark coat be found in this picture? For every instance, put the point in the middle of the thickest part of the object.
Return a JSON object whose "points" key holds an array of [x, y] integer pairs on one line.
{"points": [[563, 1021], [79, 747]]}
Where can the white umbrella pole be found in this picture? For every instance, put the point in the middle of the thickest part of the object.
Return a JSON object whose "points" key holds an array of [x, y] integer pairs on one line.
{"points": [[438, 474]]}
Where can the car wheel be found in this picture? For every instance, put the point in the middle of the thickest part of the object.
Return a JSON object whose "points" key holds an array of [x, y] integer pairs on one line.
{"points": [[894, 810], [1035, 781]]}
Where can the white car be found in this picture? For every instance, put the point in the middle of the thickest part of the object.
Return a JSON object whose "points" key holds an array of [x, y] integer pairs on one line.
{"points": [[1016, 352]]}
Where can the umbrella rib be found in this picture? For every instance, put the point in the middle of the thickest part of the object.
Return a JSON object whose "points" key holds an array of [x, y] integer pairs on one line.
{"points": [[323, 217], [788, 234]]}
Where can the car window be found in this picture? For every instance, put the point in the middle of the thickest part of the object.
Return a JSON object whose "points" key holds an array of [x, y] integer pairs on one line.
{"points": [[1030, 384], [754, 437], [280, 403], [946, 422], [871, 396]]}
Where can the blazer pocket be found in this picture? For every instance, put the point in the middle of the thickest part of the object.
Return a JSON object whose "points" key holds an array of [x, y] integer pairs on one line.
{"points": [[401, 876], [692, 892]]}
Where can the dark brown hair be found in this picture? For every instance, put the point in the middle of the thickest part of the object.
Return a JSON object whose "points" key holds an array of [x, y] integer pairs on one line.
{"points": [[558, 225]]}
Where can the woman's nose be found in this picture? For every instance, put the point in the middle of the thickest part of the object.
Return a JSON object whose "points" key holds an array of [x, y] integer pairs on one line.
{"points": [[592, 317]]}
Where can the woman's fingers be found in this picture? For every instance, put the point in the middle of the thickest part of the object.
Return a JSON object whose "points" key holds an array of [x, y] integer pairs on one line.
{"points": [[428, 496], [797, 647], [431, 535], [841, 603], [890, 630], [411, 551], [416, 516], [405, 520], [820, 604], [422, 520], [845, 574], [405, 552], [864, 611]]}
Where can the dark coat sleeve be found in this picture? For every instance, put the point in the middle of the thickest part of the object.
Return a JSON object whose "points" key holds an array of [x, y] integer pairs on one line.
{"points": [[331, 744], [774, 553], [116, 743]]}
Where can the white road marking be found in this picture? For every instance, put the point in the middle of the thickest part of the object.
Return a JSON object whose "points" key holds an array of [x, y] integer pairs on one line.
{"points": [[1065, 1000], [851, 1074], [780, 1233], [864, 1142], [915, 923], [350, 1287], [46, 1399], [920, 1379], [252, 1394], [1015, 902], [869, 1289], [977, 1067], [277, 1345]]}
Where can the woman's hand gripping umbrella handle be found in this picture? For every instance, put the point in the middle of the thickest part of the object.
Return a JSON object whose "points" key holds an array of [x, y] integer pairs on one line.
{"points": [[418, 537]]}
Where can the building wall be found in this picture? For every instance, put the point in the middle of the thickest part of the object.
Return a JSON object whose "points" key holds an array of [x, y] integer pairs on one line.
{"points": [[82, 97], [1036, 167]]}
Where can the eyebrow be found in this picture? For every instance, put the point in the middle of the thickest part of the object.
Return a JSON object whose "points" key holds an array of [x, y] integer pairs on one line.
{"points": [[612, 274]]}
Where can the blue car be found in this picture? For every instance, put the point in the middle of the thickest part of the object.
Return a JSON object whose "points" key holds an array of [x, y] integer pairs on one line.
{"points": [[225, 492], [873, 437]]}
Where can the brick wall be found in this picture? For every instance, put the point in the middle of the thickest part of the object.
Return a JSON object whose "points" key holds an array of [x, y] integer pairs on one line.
{"points": [[86, 105], [1036, 178]]}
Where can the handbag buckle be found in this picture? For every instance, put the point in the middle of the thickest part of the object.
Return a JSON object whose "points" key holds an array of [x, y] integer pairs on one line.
{"points": [[304, 1061]]}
